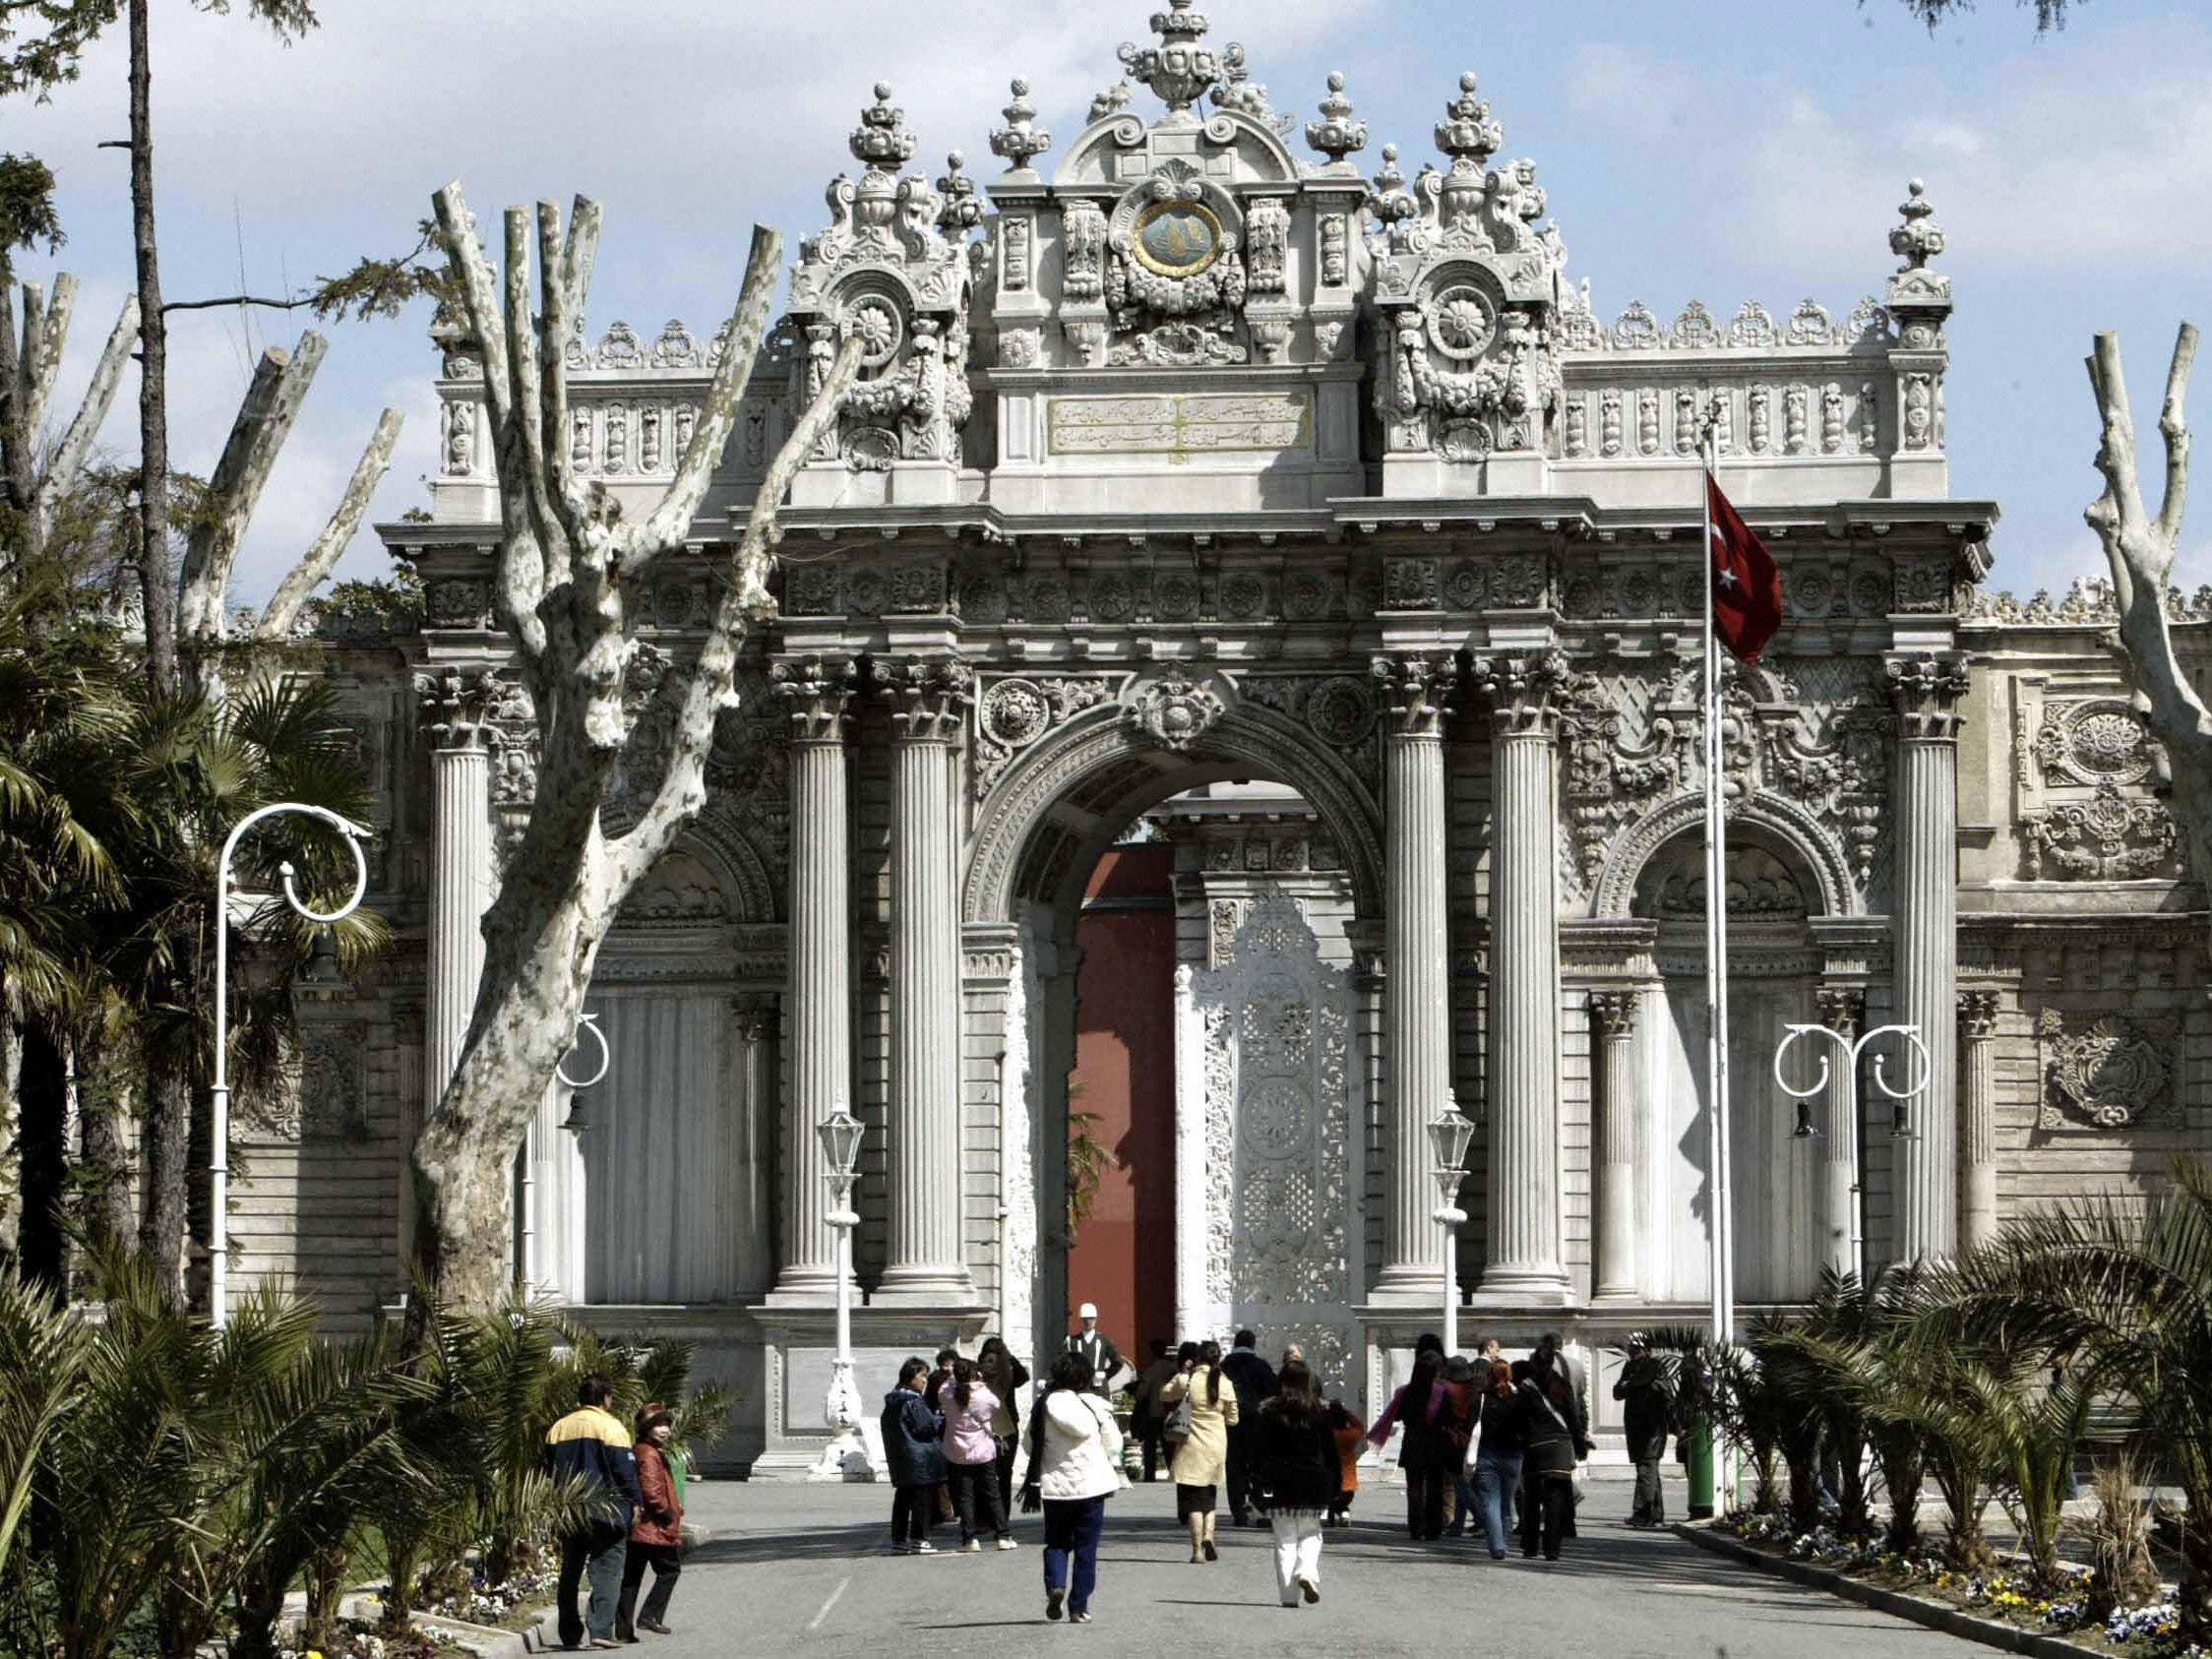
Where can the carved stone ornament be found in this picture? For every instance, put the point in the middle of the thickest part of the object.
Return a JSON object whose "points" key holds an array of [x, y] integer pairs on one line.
{"points": [[2094, 743], [2109, 838], [454, 704], [320, 1092], [929, 697], [2117, 1072], [1926, 691], [1012, 713], [1175, 709], [818, 690]]}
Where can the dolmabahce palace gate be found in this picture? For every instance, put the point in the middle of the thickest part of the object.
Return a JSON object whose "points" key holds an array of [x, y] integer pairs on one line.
{"points": [[1189, 468]]}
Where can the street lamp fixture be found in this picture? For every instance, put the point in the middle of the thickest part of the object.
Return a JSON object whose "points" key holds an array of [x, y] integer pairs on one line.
{"points": [[586, 1025], [219, 1163], [1900, 1124], [1450, 1134], [846, 1456]]}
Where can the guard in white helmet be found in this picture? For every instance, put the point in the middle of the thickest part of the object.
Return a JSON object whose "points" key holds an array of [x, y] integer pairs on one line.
{"points": [[1096, 1349]]}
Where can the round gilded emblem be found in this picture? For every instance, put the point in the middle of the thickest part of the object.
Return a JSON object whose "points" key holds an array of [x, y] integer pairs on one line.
{"points": [[1177, 238]]}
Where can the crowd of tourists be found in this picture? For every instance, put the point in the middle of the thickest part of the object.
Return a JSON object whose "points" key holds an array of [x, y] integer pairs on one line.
{"points": [[1486, 1446]]}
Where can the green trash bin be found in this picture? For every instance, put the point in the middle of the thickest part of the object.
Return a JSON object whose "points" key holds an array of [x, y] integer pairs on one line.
{"points": [[1701, 1469]]}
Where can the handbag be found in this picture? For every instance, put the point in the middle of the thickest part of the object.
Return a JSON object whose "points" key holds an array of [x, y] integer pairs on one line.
{"points": [[1177, 1429]]}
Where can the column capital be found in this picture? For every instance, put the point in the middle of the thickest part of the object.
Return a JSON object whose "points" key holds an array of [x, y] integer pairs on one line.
{"points": [[1614, 1012], [929, 696], [1416, 691], [1976, 1016], [818, 690], [758, 1014], [455, 704], [1926, 691], [1523, 691], [1842, 1009]]}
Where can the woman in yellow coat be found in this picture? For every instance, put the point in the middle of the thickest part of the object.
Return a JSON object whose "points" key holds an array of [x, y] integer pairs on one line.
{"points": [[1203, 1456]]}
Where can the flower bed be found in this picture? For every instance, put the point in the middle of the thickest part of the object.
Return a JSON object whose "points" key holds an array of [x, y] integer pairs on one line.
{"points": [[2003, 1592], [514, 1603], [359, 1640]]}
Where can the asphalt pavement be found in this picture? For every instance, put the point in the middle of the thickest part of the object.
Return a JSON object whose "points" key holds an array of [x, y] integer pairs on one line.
{"points": [[807, 1569]]}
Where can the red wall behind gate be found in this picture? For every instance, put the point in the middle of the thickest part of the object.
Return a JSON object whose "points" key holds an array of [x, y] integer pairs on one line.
{"points": [[1124, 1256]]}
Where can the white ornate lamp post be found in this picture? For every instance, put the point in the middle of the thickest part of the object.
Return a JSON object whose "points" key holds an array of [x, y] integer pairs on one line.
{"points": [[845, 1457], [1900, 1124], [218, 1165], [1450, 1132]]}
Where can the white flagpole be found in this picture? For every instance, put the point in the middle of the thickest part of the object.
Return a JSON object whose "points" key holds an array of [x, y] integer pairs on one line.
{"points": [[1721, 1231]]}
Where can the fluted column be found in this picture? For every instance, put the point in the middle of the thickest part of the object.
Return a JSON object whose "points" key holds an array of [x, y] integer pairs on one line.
{"points": [[1525, 1259], [1842, 1009], [818, 692], [1977, 1118], [1417, 974], [1927, 691], [1613, 1022], [928, 701], [455, 704]]}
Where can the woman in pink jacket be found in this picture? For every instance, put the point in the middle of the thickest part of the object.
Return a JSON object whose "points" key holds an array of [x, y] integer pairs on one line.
{"points": [[972, 1456]]}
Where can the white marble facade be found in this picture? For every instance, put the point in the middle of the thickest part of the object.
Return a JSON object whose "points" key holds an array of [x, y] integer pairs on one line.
{"points": [[1181, 458]]}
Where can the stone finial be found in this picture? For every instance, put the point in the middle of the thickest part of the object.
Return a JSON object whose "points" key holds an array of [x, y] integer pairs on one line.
{"points": [[1389, 200], [959, 210], [1468, 130], [882, 140], [1920, 237], [1019, 141], [1336, 135], [1179, 70]]}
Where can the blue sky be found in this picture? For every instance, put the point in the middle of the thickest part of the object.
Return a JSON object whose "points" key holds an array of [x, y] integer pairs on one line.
{"points": [[1717, 152]]}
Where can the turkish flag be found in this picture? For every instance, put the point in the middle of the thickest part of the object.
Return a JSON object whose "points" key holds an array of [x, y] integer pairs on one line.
{"points": [[1747, 582]]}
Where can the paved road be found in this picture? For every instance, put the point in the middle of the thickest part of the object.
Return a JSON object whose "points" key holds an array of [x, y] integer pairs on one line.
{"points": [[804, 1571]]}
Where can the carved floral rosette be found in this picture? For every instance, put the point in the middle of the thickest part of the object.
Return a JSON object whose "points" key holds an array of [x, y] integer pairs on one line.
{"points": [[2118, 1072], [2119, 830]]}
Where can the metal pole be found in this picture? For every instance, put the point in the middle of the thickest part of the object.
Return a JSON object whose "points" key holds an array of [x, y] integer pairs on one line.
{"points": [[1450, 1285], [218, 1160]]}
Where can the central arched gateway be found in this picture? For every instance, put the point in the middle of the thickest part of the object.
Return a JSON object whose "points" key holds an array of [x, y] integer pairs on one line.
{"points": [[1265, 1063]]}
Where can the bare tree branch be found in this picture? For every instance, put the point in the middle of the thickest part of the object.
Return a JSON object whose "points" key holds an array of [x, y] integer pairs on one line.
{"points": [[92, 415], [746, 604], [520, 578], [42, 342], [324, 551], [168, 305], [764, 268], [264, 420], [2175, 432]]}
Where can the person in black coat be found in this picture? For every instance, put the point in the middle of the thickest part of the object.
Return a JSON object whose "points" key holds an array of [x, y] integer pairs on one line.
{"points": [[1559, 1438], [1294, 1472], [1254, 1382], [914, 1457], [1646, 1405]]}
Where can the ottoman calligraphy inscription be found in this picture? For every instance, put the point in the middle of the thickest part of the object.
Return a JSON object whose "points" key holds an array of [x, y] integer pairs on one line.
{"points": [[1180, 423]]}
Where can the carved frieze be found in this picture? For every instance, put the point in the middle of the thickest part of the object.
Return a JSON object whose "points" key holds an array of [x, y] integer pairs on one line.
{"points": [[2108, 837], [2117, 1072]]}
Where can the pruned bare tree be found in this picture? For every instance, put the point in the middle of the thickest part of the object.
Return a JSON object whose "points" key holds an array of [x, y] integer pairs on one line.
{"points": [[264, 420], [33, 493], [570, 568], [2141, 549]]}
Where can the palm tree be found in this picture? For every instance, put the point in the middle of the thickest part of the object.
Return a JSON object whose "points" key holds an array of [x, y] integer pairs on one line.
{"points": [[194, 772], [2129, 1290]]}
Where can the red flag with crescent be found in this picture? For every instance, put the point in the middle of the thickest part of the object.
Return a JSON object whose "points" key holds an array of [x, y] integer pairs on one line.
{"points": [[1747, 582]]}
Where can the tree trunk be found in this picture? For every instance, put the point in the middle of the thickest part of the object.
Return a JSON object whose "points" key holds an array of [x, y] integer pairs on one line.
{"points": [[162, 1202], [11, 1124], [103, 1158], [17, 482], [541, 937], [153, 370], [42, 1091]]}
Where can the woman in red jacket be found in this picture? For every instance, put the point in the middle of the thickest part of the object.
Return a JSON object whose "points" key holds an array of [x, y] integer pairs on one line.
{"points": [[657, 1536]]}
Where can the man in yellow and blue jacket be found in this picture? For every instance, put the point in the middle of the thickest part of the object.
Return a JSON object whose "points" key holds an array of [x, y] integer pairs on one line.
{"points": [[591, 1443]]}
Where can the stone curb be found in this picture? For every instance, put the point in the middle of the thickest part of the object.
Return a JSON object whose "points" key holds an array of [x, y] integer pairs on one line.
{"points": [[1919, 1609], [486, 1640]]}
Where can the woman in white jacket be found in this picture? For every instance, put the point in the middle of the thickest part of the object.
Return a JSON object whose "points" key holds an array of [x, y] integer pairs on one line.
{"points": [[1074, 1465]]}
